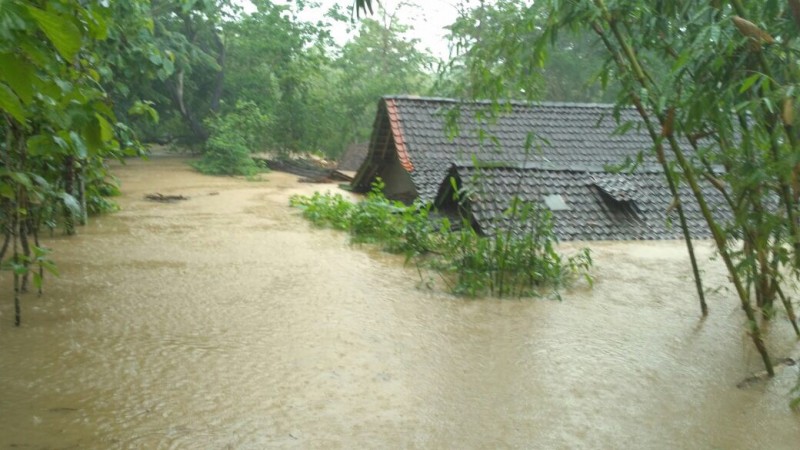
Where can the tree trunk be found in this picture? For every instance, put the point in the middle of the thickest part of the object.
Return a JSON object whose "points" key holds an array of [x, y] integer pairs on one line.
{"points": [[220, 79], [69, 188], [200, 133]]}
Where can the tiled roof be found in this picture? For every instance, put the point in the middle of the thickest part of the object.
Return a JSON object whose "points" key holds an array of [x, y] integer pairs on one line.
{"points": [[554, 153], [599, 206], [398, 135], [561, 136]]}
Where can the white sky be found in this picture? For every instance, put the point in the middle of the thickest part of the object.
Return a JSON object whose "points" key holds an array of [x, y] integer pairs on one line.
{"points": [[427, 17]]}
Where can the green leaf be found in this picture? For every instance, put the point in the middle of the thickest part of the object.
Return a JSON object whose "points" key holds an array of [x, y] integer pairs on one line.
{"points": [[71, 203], [169, 67], [19, 74], [50, 267], [61, 30], [9, 102], [37, 280], [7, 191], [22, 179], [80, 145], [106, 130], [19, 269], [38, 179], [749, 81], [91, 136], [38, 145]]}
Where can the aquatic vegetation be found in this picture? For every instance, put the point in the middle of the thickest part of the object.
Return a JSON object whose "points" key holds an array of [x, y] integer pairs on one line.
{"points": [[517, 263]]}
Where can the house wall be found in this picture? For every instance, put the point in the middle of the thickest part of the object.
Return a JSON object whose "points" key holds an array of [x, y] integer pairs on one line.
{"points": [[398, 181]]}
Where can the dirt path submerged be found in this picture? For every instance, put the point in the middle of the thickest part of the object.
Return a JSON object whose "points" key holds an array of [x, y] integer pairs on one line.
{"points": [[225, 321]]}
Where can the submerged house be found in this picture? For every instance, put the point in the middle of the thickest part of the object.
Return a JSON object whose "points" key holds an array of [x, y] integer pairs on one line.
{"points": [[554, 155]]}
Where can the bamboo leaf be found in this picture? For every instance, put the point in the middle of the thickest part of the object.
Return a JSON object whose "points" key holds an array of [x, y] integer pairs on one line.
{"points": [[749, 82]]}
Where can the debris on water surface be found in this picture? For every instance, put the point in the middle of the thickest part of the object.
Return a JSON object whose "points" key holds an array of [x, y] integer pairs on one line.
{"points": [[158, 197]]}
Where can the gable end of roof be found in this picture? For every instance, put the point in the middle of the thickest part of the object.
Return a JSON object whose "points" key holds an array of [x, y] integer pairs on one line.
{"points": [[397, 134]]}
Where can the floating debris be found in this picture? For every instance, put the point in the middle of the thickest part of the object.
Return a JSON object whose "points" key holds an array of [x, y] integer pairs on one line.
{"points": [[157, 197]]}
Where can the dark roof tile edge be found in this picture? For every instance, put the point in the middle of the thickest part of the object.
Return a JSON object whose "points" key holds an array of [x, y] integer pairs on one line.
{"points": [[504, 102]]}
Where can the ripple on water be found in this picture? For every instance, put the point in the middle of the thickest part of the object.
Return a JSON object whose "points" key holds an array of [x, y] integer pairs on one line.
{"points": [[227, 322]]}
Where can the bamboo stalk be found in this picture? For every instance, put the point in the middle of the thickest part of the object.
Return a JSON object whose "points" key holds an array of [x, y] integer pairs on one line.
{"points": [[655, 136], [688, 173]]}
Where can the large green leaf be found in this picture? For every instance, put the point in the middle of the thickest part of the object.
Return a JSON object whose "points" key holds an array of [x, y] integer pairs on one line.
{"points": [[106, 130], [11, 104], [71, 203], [80, 146], [61, 30], [18, 73]]}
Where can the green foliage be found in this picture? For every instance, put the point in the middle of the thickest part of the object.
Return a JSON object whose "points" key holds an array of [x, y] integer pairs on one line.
{"points": [[398, 228], [320, 98], [378, 61], [234, 137], [57, 126], [226, 154], [245, 120], [574, 65], [276, 60], [39, 258], [325, 210], [716, 85], [512, 263]]}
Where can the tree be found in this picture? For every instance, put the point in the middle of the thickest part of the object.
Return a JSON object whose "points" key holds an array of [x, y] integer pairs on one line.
{"points": [[715, 84], [57, 126], [275, 59], [377, 62], [572, 70]]}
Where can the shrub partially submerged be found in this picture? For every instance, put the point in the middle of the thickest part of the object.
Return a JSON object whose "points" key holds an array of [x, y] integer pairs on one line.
{"points": [[510, 263], [234, 137]]}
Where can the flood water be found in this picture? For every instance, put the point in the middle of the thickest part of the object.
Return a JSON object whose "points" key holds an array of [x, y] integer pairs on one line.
{"points": [[227, 322]]}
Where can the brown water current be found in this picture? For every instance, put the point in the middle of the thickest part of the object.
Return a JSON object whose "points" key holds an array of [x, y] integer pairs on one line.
{"points": [[226, 321]]}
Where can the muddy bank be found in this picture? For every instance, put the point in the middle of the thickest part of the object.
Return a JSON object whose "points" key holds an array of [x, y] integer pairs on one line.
{"points": [[225, 321]]}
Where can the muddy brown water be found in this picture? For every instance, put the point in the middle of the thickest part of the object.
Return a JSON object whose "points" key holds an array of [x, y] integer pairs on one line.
{"points": [[225, 321]]}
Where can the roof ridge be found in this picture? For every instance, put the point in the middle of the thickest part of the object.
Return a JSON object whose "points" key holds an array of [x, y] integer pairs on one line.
{"points": [[549, 167], [501, 102]]}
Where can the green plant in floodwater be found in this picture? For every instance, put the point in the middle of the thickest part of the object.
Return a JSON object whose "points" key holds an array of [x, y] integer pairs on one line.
{"points": [[514, 262], [234, 137], [376, 220], [509, 263], [398, 227], [325, 210]]}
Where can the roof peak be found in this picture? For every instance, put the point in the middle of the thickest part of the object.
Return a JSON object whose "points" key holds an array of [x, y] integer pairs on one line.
{"points": [[501, 102], [551, 167]]}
